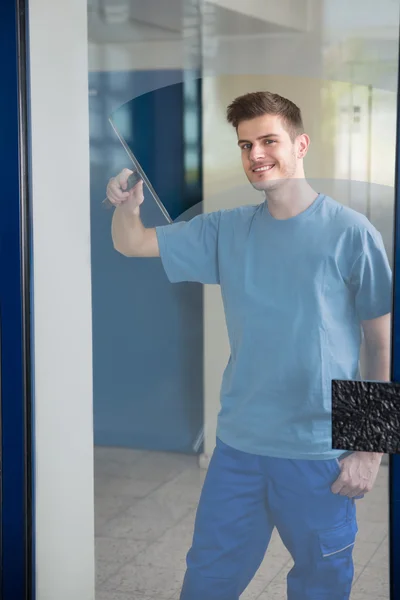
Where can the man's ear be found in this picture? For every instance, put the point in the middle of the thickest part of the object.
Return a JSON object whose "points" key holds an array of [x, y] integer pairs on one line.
{"points": [[303, 143]]}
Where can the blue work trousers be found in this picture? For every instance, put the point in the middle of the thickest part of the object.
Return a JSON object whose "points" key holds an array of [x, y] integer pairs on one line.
{"points": [[244, 498]]}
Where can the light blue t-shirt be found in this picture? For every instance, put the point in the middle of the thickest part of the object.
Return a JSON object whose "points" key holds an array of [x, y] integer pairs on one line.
{"points": [[295, 292]]}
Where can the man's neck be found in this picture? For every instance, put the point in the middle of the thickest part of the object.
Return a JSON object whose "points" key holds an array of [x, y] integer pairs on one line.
{"points": [[290, 199]]}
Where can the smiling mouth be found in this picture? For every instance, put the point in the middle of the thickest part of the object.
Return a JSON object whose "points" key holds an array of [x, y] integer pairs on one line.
{"points": [[263, 169]]}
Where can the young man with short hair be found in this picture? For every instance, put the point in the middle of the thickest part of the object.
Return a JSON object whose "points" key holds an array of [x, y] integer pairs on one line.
{"points": [[302, 277]]}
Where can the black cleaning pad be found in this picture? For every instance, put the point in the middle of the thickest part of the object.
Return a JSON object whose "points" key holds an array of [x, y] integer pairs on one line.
{"points": [[366, 416]]}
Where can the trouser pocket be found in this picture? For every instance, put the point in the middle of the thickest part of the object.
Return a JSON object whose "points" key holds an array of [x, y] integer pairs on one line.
{"points": [[338, 540], [333, 568], [328, 572]]}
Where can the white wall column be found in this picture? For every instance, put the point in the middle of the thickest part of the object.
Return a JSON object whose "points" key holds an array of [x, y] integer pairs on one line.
{"points": [[62, 300]]}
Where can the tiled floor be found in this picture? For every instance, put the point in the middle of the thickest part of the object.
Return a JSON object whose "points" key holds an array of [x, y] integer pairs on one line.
{"points": [[145, 506]]}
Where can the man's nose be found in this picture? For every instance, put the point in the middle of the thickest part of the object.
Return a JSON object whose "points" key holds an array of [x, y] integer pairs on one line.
{"points": [[257, 152]]}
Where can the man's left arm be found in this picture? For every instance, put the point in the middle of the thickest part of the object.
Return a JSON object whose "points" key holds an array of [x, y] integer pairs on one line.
{"points": [[360, 469], [377, 348]]}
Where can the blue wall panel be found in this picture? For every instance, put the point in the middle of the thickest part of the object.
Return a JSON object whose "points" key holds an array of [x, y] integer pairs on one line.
{"points": [[147, 333]]}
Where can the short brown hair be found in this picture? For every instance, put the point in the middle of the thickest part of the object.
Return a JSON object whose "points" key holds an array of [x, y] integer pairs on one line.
{"points": [[258, 104]]}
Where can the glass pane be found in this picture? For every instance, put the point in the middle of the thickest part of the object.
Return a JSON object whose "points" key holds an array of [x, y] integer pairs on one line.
{"points": [[338, 63], [145, 86], [293, 297]]}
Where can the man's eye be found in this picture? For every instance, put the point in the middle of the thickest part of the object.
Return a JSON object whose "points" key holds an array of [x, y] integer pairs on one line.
{"points": [[246, 147]]}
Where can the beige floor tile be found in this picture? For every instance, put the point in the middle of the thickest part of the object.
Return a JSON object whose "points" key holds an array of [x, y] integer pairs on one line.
{"points": [[358, 569], [107, 507], [276, 590], [119, 550], [163, 466], [381, 557], [192, 476], [364, 551], [163, 554], [362, 595], [170, 500], [134, 488], [155, 582], [104, 569], [176, 492], [254, 589], [136, 528], [371, 532], [181, 534], [271, 566], [101, 595], [372, 581], [115, 468], [121, 455], [373, 511]]}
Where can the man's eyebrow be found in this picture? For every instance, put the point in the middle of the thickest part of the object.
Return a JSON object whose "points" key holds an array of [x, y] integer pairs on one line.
{"points": [[261, 137]]}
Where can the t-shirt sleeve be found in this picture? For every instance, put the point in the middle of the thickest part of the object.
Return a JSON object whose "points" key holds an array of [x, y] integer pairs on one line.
{"points": [[189, 250], [371, 277]]}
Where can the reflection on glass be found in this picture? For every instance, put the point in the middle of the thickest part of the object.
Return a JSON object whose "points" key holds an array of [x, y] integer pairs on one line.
{"points": [[164, 123]]}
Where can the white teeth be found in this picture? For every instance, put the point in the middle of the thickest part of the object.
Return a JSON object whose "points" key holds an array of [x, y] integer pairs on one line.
{"points": [[267, 168]]}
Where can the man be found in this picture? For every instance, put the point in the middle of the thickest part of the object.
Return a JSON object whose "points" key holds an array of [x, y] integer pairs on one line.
{"points": [[301, 277]]}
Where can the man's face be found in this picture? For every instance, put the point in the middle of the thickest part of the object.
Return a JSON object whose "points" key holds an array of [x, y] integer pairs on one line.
{"points": [[269, 156]]}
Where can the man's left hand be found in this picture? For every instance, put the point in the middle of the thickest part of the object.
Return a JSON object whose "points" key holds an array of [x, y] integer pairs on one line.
{"points": [[358, 476]]}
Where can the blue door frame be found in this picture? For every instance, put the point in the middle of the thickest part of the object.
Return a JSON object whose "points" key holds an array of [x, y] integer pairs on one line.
{"points": [[16, 506], [16, 485], [394, 460]]}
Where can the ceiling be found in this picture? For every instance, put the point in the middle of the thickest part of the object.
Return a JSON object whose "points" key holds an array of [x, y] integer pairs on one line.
{"points": [[121, 21]]}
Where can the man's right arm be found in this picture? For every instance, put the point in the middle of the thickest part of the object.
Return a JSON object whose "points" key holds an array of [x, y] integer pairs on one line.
{"points": [[188, 250], [129, 235]]}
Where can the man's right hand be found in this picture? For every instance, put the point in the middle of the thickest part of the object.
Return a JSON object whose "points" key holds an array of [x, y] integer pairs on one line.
{"points": [[129, 200], [129, 236]]}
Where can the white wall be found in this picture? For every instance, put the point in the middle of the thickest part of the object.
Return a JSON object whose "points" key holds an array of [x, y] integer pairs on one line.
{"points": [[285, 13], [141, 56], [62, 301]]}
